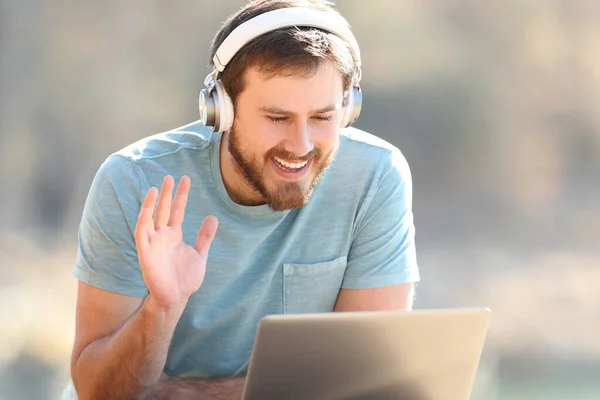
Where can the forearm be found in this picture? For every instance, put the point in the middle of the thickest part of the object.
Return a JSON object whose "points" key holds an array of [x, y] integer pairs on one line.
{"points": [[126, 364], [187, 389]]}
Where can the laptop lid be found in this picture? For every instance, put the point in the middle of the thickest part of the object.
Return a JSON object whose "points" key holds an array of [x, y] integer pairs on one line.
{"points": [[416, 355]]}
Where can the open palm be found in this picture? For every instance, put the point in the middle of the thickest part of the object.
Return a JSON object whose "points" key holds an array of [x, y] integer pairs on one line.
{"points": [[171, 269]]}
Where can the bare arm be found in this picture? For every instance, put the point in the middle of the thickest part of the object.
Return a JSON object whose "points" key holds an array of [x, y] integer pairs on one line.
{"points": [[185, 389], [116, 354], [126, 363], [393, 297], [121, 342]]}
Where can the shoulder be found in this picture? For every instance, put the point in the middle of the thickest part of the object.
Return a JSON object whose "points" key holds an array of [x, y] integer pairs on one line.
{"points": [[366, 151], [158, 155], [365, 168], [193, 137]]}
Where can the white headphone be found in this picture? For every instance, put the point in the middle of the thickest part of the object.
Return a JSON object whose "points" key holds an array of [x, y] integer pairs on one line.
{"points": [[216, 107]]}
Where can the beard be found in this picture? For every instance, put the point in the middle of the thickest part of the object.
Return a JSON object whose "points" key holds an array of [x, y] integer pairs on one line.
{"points": [[280, 195]]}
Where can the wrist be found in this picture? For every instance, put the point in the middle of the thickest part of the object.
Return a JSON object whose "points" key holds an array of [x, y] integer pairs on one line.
{"points": [[157, 308]]}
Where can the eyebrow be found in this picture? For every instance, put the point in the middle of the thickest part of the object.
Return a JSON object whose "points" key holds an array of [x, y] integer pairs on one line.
{"points": [[279, 111]]}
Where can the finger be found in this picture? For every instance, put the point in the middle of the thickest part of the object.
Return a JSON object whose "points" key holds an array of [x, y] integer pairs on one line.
{"points": [[163, 208], [206, 234], [179, 202], [145, 226]]}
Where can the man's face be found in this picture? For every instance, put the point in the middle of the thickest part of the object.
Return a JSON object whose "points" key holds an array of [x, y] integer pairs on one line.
{"points": [[285, 135]]}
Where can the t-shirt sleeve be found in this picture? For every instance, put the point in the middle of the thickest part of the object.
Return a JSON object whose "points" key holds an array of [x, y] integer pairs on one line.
{"points": [[107, 256], [383, 248]]}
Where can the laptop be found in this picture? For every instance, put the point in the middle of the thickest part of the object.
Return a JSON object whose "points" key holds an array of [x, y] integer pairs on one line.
{"points": [[416, 355]]}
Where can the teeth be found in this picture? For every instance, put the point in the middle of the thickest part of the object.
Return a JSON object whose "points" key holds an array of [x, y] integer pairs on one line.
{"points": [[291, 165]]}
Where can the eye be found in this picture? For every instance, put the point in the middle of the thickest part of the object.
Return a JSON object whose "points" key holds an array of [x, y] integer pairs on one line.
{"points": [[324, 119], [276, 119]]}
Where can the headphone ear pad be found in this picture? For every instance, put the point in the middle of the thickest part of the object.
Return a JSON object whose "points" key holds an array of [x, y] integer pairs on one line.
{"points": [[225, 108], [353, 106]]}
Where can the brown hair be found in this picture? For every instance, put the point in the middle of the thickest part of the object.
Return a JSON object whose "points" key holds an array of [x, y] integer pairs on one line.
{"points": [[285, 52]]}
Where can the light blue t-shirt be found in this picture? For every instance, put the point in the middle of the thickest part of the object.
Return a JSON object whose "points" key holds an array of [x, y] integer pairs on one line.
{"points": [[355, 232]]}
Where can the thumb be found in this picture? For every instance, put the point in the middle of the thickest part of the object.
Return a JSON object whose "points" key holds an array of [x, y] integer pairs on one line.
{"points": [[206, 234]]}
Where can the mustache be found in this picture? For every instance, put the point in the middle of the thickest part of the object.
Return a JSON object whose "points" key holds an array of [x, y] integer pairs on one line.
{"points": [[291, 157]]}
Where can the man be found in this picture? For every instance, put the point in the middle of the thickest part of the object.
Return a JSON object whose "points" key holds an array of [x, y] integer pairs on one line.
{"points": [[296, 215]]}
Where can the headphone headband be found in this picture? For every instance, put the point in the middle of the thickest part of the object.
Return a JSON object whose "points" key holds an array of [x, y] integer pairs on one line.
{"points": [[216, 107], [284, 17]]}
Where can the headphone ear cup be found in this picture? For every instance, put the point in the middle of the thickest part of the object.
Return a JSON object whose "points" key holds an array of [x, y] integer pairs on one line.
{"points": [[225, 108], [353, 106], [348, 108], [206, 106]]}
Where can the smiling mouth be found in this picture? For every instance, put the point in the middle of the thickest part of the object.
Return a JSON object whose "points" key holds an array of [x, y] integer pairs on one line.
{"points": [[290, 166]]}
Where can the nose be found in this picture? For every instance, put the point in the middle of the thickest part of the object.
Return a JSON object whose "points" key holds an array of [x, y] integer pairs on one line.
{"points": [[299, 140]]}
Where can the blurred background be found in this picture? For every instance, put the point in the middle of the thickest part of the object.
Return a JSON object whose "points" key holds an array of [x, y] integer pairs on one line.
{"points": [[494, 104]]}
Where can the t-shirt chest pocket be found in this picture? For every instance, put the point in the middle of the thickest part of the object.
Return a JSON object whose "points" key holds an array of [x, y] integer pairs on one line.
{"points": [[312, 288]]}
